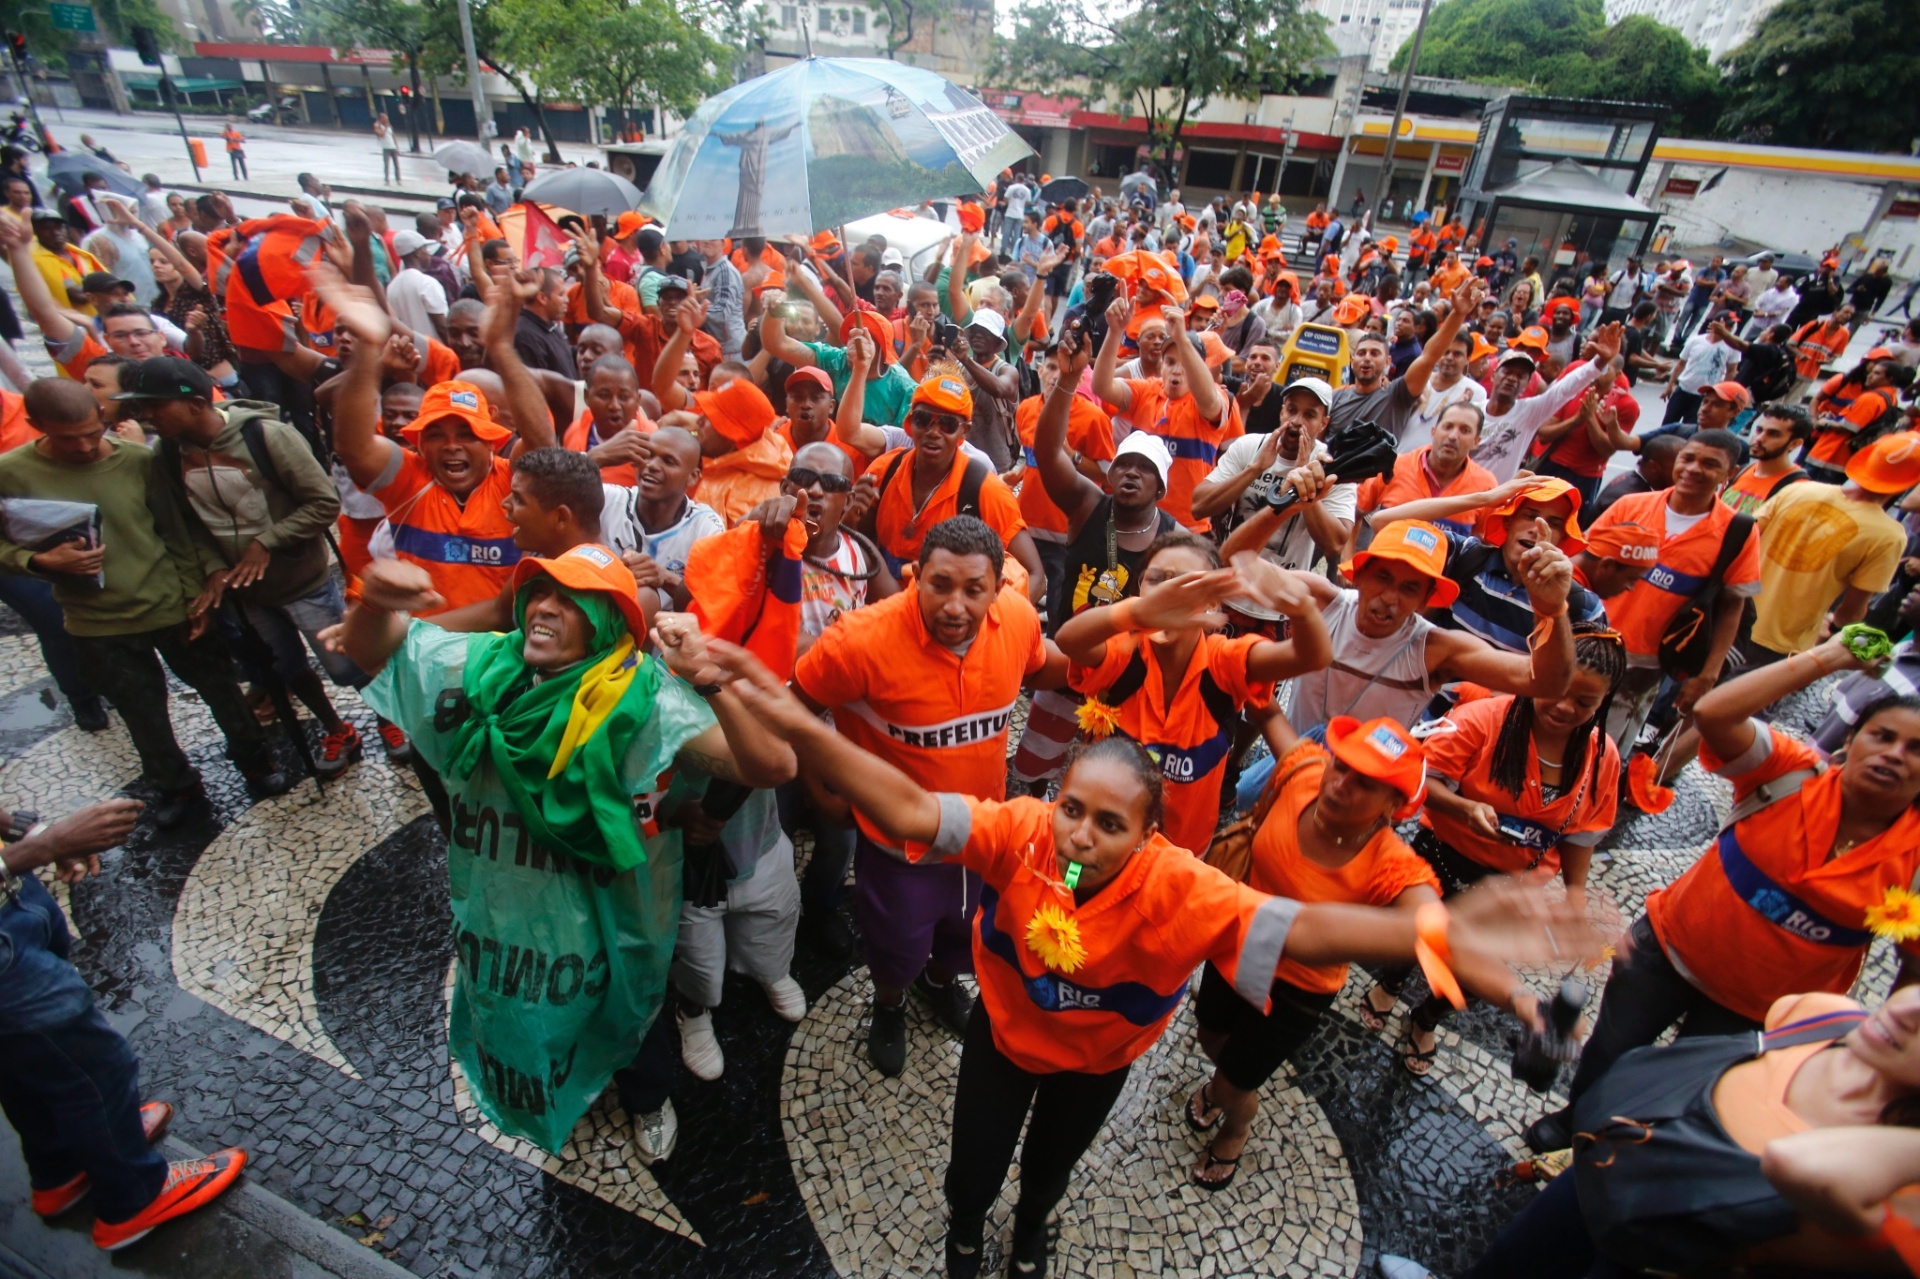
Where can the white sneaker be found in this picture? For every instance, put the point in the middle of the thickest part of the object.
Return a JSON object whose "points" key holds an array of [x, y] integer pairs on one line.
{"points": [[787, 998], [655, 1135], [698, 1048], [1392, 1267]]}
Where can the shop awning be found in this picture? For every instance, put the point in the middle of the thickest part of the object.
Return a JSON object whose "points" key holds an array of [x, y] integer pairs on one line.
{"points": [[185, 84], [1569, 185]]}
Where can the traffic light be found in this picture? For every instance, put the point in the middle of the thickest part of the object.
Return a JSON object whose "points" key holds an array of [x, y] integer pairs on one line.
{"points": [[145, 45], [17, 46]]}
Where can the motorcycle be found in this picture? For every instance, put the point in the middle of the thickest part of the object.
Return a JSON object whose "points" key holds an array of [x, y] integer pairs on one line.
{"points": [[270, 112], [20, 134]]}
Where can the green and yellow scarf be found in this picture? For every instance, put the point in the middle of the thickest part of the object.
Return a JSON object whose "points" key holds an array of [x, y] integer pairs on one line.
{"points": [[557, 743]]}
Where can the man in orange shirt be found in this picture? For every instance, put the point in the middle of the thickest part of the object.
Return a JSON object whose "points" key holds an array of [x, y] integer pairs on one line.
{"points": [[743, 459], [1441, 469], [1838, 435], [927, 680], [1814, 344]]}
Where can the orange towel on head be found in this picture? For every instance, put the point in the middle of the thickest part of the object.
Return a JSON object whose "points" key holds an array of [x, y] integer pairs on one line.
{"points": [[256, 268], [749, 594]]}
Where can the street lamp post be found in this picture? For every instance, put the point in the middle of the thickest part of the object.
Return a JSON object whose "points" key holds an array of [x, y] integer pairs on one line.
{"points": [[474, 86], [1384, 196]]}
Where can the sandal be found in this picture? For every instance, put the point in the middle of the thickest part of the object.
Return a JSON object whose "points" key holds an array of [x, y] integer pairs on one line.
{"points": [[1206, 1101], [1372, 1018], [1231, 1165], [1411, 1057]]}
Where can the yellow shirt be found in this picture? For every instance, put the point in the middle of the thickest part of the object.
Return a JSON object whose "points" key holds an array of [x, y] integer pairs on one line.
{"points": [[1815, 543], [59, 272]]}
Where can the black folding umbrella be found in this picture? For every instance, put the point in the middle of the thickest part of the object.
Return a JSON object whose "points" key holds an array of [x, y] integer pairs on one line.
{"points": [[1067, 188], [68, 170]]}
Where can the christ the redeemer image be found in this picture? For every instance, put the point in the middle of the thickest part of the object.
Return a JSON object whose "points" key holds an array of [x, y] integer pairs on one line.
{"points": [[753, 146]]}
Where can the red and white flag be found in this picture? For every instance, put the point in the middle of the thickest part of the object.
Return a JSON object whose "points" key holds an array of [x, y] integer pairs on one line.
{"points": [[545, 243]]}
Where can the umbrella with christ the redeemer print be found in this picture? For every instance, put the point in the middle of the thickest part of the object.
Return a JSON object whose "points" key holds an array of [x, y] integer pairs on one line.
{"points": [[822, 143]]}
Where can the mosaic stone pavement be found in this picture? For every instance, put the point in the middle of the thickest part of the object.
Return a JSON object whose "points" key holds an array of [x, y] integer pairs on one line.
{"points": [[282, 970]]}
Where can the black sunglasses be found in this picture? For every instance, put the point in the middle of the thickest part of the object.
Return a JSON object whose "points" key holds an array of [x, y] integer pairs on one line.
{"points": [[800, 477], [949, 423]]}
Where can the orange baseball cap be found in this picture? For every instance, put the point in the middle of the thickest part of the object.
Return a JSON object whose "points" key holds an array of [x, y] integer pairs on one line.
{"points": [[1353, 309], [1891, 464], [626, 224], [1206, 302], [1383, 750], [588, 567], [971, 217], [826, 243], [1626, 542], [460, 400], [1481, 349], [1732, 392], [1418, 545], [1878, 353], [1533, 338], [946, 393], [812, 373], [1389, 244], [1547, 489], [739, 410], [878, 327], [1214, 349]]}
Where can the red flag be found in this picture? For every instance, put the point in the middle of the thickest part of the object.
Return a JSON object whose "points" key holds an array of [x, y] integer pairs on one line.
{"points": [[545, 243], [747, 593]]}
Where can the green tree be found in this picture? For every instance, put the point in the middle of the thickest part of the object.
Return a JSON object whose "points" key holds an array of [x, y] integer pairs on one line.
{"points": [[904, 19], [1828, 73], [1161, 61], [48, 45]]}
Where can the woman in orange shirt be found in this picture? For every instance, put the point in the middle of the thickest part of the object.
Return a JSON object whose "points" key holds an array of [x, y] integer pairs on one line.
{"points": [[1158, 669], [1090, 924], [1527, 783]]}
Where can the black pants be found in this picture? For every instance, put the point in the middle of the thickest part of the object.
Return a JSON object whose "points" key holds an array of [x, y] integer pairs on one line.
{"points": [[990, 1104], [646, 1084], [1457, 874], [1645, 995], [238, 159], [125, 670]]}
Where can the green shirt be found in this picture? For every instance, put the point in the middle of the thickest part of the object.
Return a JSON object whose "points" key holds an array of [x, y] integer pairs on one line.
{"points": [[561, 965], [151, 575], [887, 395]]}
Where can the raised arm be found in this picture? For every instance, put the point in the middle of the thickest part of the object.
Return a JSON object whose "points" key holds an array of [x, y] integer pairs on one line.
{"points": [[1440, 508], [593, 285], [957, 305], [738, 748], [1106, 362], [831, 317], [1180, 603], [1725, 715], [1075, 494], [55, 326], [357, 441], [1465, 302], [532, 420], [1544, 672], [1213, 497], [1310, 646], [848, 428], [1206, 393], [122, 215], [773, 337], [665, 374]]}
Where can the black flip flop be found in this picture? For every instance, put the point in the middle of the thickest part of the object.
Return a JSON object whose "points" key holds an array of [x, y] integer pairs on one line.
{"points": [[1212, 1187], [1219, 1114]]}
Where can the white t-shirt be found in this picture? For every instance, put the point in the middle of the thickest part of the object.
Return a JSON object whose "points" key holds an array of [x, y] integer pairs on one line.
{"points": [[1432, 403], [1704, 361], [1017, 197], [415, 298], [620, 526], [1293, 545]]}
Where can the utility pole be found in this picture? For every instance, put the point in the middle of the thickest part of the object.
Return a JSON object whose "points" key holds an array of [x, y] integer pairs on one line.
{"points": [[480, 110], [148, 47], [1383, 196], [17, 50]]}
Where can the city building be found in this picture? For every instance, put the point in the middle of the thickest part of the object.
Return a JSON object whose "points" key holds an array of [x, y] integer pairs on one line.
{"points": [[1718, 26], [1375, 27], [954, 43]]}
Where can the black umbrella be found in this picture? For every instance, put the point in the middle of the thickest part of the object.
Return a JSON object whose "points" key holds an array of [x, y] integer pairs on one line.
{"points": [[68, 170], [1067, 188]]}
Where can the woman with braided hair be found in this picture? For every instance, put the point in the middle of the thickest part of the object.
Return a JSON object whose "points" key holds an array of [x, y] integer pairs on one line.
{"points": [[1521, 784]]}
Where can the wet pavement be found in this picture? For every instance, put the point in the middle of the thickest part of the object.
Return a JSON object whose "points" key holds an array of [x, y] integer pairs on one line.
{"points": [[282, 970]]}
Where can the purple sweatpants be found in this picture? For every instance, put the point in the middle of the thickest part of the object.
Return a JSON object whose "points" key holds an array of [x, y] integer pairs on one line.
{"points": [[911, 914]]}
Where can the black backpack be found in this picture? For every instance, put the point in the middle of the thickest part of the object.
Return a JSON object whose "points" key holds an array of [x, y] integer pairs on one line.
{"points": [[1662, 1186], [1685, 643]]}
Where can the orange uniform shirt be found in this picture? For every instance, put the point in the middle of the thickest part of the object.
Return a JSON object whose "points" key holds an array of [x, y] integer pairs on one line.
{"points": [[442, 364], [14, 430], [1765, 912], [1187, 729], [1749, 490], [1642, 612], [1089, 433], [1819, 343], [1194, 442], [1448, 278], [468, 549], [1835, 446], [646, 336], [620, 297], [1091, 987], [1375, 876], [1535, 829], [940, 717], [580, 437], [901, 529], [1411, 481]]}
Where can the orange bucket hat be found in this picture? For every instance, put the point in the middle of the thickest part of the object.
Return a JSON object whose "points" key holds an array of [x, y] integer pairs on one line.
{"points": [[1418, 545], [1891, 464], [739, 410], [1547, 489], [1383, 750]]}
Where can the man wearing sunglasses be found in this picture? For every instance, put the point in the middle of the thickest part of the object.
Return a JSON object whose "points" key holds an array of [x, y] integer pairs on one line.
{"points": [[126, 330]]}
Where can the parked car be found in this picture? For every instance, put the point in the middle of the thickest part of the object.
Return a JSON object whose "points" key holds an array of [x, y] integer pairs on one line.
{"points": [[1792, 265]]}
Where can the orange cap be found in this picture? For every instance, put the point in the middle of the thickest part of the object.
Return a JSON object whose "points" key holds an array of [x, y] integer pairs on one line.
{"points": [[1389, 244], [1626, 542], [1891, 464], [1418, 545], [825, 243], [1481, 349], [588, 567], [460, 400], [1732, 392], [1269, 244], [1877, 353], [739, 410], [1383, 750], [1353, 309], [1533, 337], [946, 393], [878, 327], [1214, 349], [971, 217], [1206, 302], [1546, 489], [626, 224]]}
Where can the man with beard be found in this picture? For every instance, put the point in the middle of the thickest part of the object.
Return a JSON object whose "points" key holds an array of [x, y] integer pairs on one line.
{"points": [[1778, 431], [1371, 397]]}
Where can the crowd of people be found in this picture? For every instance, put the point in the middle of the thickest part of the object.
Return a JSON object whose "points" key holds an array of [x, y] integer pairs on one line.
{"points": [[1028, 589]]}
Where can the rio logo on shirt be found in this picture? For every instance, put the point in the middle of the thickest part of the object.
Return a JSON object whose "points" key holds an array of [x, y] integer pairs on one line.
{"points": [[462, 550]]}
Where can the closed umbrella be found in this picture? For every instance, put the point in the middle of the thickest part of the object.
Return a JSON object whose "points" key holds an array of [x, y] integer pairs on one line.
{"points": [[469, 158], [822, 142], [585, 191], [1067, 188], [68, 170]]}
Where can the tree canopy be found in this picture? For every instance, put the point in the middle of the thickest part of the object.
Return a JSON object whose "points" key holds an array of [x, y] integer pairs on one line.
{"points": [[636, 55], [1161, 61], [1564, 48], [1828, 73]]}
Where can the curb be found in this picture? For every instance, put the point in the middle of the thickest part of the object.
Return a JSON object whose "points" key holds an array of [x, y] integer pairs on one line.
{"points": [[300, 1233]]}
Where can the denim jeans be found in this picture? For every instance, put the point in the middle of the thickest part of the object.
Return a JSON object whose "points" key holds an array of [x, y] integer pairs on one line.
{"points": [[69, 1083], [33, 600]]}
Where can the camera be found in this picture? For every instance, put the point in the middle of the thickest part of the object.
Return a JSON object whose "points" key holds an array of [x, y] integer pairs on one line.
{"points": [[1099, 291], [1537, 1058]]}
